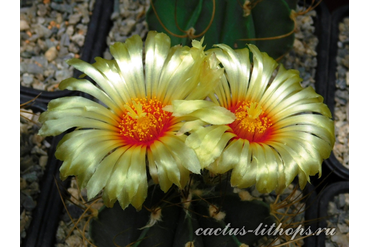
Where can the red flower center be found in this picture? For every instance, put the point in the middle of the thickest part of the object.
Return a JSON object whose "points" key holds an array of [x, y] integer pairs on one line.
{"points": [[144, 121], [251, 122]]}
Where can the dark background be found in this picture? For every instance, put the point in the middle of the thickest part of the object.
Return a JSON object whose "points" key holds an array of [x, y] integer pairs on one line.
{"points": [[334, 4]]}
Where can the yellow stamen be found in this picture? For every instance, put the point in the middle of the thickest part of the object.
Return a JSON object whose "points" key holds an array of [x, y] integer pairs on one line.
{"points": [[144, 121], [250, 123]]}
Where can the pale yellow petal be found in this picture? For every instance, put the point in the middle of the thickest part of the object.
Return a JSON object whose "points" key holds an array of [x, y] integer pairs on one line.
{"points": [[209, 143], [58, 126], [229, 158], [72, 141], [296, 156], [185, 155], [263, 68], [168, 172], [190, 126], [98, 77], [303, 179], [288, 161], [153, 170], [258, 165], [88, 111], [206, 111], [184, 107], [86, 86], [112, 74], [135, 185], [311, 132], [182, 163], [210, 78], [72, 102], [129, 58], [84, 163], [214, 115], [237, 67], [103, 173], [259, 160], [180, 77], [138, 199], [222, 94], [174, 72], [67, 112], [244, 173], [311, 148], [304, 101], [284, 84], [281, 185], [170, 65], [117, 180], [319, 121], [272, 164], [157, 46]]}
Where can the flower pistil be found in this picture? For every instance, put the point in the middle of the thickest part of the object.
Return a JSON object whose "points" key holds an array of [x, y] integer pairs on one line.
{"points": [[251, 123], [144, 121]]}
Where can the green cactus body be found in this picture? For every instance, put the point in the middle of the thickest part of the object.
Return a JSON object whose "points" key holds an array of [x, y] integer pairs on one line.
{"points": [[208, 217], [268, 24]]}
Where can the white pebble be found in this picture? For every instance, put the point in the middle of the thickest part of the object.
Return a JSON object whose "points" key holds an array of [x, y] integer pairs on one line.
{"points": [[51, 53], [24, 25]]}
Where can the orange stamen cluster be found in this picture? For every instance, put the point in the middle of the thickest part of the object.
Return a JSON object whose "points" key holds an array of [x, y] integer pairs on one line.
{"points": [[251, 122], [144, 121]]}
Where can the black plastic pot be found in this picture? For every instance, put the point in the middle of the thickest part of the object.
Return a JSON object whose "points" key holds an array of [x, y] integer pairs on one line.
{"points": [[332, 163], [316, 212], [322, 31], [95, 44], [310, 213], [41, 231], [325, 197]]}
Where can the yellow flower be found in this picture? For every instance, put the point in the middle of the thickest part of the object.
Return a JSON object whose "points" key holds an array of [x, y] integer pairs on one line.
{"points": [[281, 129], [115, 142]]}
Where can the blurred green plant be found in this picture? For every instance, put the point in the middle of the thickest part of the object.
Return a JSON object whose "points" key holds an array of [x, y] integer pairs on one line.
{"points": [[269, 24]]}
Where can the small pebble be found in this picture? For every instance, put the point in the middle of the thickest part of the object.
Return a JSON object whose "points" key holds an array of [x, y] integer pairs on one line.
{"points": [[79, 39], [43, 160], [51, 53], [24, 25], [27, 202], [74, 19], [27, 79]]}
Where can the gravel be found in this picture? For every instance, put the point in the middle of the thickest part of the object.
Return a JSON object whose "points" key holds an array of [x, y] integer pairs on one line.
{"points": [[338, 218], [128, 19], [50, 33], [341, 109], [33, 160], [302, 56]]}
